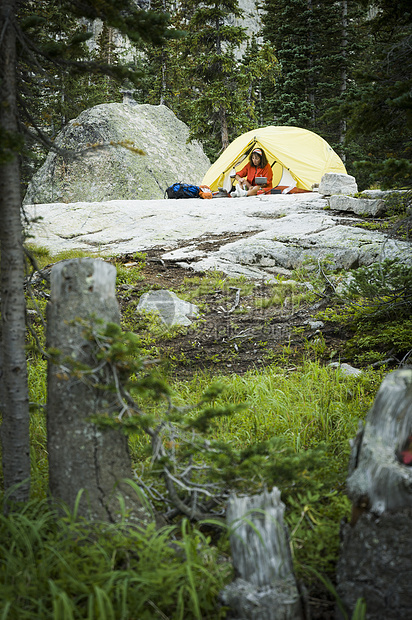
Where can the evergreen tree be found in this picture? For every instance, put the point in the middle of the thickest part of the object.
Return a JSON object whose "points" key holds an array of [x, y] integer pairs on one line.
{"points": [[24, 54], [161, 71], [214, 89], [49, 95], [313, 44], [346, 73], [379, 106], [104, 88], [261, 69], [202, 77]]}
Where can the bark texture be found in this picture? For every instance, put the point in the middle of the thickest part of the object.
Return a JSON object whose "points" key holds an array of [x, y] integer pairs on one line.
{"points": [[81, 455], [375, 546], [14, 403], [266, 588], [374, 565]]}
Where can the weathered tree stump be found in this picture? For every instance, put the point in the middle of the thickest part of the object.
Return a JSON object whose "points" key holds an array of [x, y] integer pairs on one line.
{"points": [[81, 455], [266, 588], [375, 555]]}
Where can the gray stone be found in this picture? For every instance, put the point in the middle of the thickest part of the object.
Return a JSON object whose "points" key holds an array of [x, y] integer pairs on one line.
{"points": [[275, 234], [374, 194], [346, 369], [380, 193], [360, 206], [104, 163], [171, 309], [337, 183], [343, 247], [342, 283], [315, 324]]}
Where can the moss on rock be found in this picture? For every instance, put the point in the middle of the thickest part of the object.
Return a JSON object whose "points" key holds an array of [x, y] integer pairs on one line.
{"points": [[105, 161]]}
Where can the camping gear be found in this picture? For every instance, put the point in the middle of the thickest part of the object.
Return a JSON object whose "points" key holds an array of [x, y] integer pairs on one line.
{"points": [[298, 157], [221, 193], [205, 192], [182, 190], [185, 190]]}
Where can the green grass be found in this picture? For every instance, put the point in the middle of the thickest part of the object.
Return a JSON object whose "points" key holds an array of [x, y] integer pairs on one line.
{"points": [[308, 405], [216, 281], [57, 567], [293, 433], [44, 257], [307, 415]]}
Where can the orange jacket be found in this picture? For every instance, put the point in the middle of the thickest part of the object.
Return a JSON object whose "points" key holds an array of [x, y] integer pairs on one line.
{"points": [[250, 172]]}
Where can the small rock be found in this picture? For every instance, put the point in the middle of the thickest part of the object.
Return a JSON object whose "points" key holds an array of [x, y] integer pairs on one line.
{"points": [[346, 369], [337, 183], [171, 309], [360, 206], [315, 324]]}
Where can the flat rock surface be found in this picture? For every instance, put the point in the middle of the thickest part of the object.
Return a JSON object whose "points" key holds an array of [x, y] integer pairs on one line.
{"points": [[134, 225], [274, 234]]}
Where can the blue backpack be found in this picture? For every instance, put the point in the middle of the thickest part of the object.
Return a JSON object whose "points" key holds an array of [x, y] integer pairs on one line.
{"points": [[182, 190]]}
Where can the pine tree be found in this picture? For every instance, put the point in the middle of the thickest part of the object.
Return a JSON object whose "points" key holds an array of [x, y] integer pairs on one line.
{"points": [[58, 93], [51, 94], [346, 73], [161, 72], [215, 91], [261, 70], [104, 88], [379, 108], [312, 43], [25, 54]]}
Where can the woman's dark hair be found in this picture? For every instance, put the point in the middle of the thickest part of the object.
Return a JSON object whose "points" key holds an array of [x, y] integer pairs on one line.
{"points": [[263, 158]]}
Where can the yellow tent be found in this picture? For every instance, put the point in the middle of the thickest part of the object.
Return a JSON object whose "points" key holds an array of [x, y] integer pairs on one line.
{"points": [[298, 157]]}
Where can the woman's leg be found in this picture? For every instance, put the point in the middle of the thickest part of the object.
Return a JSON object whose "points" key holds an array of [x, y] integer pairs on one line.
{"points": [[252, 191]]}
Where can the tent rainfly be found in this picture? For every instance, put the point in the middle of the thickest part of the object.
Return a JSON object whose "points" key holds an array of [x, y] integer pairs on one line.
{"points": [[298, 157]]}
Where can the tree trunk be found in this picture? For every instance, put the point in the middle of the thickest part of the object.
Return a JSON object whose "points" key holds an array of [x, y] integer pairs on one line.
{"points": [[224, 131], [375, 546], [265, 588], [14, 402], [344, 5], [82, 455], [310, 79], [163, 82]]}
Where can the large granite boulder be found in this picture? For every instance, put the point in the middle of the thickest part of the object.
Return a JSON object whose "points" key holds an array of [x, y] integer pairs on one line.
{"points": [[106, 161]]}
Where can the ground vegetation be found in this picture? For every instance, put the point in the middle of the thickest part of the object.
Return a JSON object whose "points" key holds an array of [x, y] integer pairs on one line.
{"points": [[287, 419]]}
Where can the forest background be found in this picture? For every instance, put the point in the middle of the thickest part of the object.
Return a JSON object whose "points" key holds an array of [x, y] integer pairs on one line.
{"points": [[341, 69]]}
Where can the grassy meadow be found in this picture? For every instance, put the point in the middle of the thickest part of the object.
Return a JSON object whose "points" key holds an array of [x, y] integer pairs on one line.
{"points": [[295, 424]]}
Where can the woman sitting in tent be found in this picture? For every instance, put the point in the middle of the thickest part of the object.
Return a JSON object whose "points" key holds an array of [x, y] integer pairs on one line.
{"points": [[257, 166]]}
